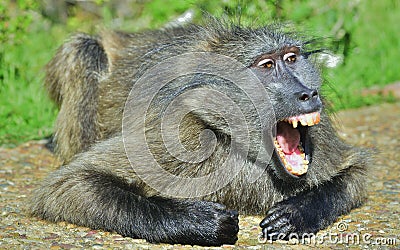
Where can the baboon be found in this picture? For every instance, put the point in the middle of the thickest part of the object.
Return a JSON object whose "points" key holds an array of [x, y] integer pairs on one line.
{"points": [[310, 178]]}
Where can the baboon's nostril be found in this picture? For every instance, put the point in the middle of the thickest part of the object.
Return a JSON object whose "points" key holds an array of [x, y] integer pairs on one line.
{"points": [[314, 94], [304, 96]]}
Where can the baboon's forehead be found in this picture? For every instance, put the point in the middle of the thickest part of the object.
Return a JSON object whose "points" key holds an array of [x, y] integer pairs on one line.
{"points": [[269, 40], [253, 43], [246, 43]]}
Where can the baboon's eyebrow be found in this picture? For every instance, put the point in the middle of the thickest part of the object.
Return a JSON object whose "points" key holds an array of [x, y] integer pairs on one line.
{"points": [[294, 48], [276, 53]]}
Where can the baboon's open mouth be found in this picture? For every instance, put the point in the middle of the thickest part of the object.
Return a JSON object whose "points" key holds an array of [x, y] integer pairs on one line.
{"points": [[291, 142]]}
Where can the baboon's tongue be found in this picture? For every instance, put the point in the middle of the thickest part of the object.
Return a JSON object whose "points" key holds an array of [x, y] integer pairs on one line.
{"points": [[287, 143], [287, 137]]}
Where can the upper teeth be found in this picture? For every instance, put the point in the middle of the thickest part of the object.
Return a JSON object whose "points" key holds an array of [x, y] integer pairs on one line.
{"points": [[305, 120]]}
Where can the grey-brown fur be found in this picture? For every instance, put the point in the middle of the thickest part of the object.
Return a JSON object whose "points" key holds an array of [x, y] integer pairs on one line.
{"points": [[90, 79]]}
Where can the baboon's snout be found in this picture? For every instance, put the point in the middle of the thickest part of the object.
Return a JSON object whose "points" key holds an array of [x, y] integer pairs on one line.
{"points": [[308, 99]]}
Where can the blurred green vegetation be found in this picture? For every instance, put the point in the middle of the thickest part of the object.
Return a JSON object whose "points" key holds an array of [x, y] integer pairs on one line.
{"points": [[364, 32]]}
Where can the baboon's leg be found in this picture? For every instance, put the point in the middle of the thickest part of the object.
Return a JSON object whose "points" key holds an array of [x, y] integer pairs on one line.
{"points": [[317, 208], [72, 81], [85, 192]]}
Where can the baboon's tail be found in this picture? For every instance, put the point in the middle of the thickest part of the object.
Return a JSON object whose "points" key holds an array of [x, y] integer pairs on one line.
{"points": [[72, 80]]}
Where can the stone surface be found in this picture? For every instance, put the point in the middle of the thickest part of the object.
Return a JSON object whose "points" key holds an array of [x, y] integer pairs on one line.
{"points": [[377, 222]]}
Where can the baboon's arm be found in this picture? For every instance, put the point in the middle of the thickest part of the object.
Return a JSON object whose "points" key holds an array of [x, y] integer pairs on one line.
{"points": [[316, 208], [85, 193]]}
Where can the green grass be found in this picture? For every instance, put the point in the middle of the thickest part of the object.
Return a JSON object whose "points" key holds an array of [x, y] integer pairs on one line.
{"points": [[366, 32], [372, 56], [25, 111]]}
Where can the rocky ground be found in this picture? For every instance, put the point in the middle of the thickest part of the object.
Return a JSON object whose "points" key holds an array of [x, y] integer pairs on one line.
{"points": [[377, 223]]}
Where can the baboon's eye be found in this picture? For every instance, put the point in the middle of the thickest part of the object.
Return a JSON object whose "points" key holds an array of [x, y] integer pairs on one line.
{"points": [[290, 57], [266, 63]]}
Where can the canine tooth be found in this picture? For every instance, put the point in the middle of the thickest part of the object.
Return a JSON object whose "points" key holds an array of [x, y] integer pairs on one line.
{"points": [[294, 123], [317, 118]]}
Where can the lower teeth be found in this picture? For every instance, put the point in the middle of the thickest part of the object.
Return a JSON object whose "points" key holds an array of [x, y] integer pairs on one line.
{"points": [[287, 165]]}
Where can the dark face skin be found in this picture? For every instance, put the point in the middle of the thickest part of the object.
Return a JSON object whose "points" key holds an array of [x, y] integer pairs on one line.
{"points": [[286, 75]]}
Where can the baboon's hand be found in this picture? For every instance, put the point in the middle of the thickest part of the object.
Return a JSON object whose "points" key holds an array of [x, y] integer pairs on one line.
{"points": [[222, 225], [227, 227], [199, 223], [282, 220]]}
